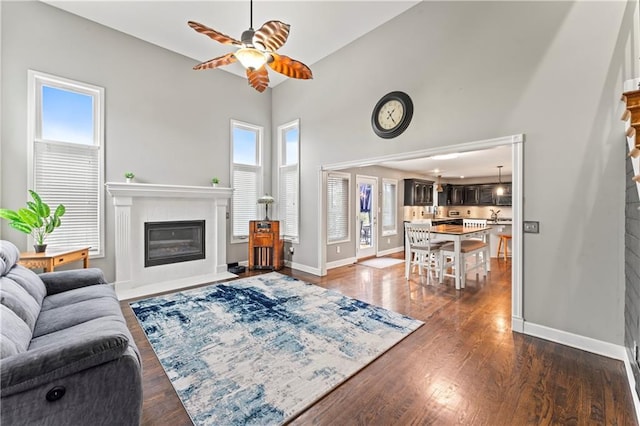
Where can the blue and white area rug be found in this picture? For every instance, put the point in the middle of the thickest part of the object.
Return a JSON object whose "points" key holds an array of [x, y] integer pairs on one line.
{"points": [[260, 350]]}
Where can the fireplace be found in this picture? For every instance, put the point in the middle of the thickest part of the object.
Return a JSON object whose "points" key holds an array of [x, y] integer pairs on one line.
{"points": [[173, 242]]}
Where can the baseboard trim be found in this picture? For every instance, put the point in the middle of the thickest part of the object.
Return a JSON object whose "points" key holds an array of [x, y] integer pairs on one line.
{"points": [[341, 262], [517, 324], [390, 251], [632, 383], [304, 268], [577, 341]]}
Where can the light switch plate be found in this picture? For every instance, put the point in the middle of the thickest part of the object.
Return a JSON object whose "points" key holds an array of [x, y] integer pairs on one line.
{"points": [[532, 227]]}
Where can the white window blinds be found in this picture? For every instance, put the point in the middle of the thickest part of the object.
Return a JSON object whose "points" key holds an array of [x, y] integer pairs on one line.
{"points": [[288, 202], [69, 174], [288, 179], [389, 207], [245, 196], [338, 207]]}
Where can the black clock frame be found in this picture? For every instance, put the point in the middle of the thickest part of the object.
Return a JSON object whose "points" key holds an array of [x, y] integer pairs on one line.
{"points": [[407, 104]]}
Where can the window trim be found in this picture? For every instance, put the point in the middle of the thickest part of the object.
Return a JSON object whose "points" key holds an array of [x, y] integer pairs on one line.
{"points": [[35, 81], [282, 129], [259, 168], [394, 231], [346, 176]]}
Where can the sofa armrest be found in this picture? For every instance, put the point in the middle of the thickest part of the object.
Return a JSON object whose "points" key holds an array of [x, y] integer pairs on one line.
{"points": [[54, 361], [59, 281]]}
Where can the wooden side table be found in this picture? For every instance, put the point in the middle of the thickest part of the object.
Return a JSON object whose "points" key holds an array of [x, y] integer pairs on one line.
{"points": [[54, 257]]}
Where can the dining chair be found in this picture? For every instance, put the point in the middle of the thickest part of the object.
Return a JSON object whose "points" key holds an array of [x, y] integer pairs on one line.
{"points": [[473, 247], [421, 250]]}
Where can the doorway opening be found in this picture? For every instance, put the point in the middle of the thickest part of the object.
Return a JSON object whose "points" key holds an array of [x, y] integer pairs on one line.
{"points": [[367, 218], [517, 161]]}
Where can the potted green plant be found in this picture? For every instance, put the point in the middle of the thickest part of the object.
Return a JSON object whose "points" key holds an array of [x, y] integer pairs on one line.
{"points": [[35, 219], [129, 176], [215, 181]]}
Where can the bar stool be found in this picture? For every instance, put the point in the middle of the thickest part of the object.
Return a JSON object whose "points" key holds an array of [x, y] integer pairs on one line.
{"points": [[503, 242]]}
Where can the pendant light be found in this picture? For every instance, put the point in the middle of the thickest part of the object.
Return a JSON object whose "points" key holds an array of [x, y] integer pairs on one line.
{"points": [[439, 185], [500, 188]]}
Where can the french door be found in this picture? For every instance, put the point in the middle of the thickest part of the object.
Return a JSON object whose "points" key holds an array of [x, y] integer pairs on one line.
{"points": [[366, 216]]}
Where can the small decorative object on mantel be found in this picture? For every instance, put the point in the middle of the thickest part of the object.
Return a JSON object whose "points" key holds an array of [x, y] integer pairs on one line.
{"points": [[35, 219], [266, 200], [129, 176], [215, 181]]}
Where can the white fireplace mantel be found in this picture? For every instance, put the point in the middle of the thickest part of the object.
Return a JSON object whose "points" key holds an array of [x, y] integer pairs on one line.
{"points": [[137, 203]]}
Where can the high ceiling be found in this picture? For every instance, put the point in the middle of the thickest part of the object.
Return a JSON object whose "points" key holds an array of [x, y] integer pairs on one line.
{"points": [[318, 28]]}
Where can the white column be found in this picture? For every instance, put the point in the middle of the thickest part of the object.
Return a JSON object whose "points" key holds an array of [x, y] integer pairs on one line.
{"points": [[123, 239], [220, 219]]}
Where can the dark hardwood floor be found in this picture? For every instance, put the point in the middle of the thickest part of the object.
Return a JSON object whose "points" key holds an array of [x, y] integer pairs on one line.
{"points": [[464, 366]]}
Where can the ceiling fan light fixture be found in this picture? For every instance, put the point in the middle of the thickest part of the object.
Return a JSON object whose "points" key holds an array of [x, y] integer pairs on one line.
{"points": [[250, 58]]}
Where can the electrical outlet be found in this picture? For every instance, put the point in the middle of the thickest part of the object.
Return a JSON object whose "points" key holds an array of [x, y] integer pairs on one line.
{"points": [[291, 250], [388, 240], [532, 227], [337, 249]]}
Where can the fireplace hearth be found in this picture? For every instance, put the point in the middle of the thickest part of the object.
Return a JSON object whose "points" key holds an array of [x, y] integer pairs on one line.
{"points": [[173, 242]]}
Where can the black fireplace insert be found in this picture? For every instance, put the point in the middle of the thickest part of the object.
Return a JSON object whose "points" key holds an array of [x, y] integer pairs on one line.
{"points": [[173, 242]]}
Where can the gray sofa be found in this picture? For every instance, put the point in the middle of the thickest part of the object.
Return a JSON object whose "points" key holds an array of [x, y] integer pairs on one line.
{"points": [[66, 355]]}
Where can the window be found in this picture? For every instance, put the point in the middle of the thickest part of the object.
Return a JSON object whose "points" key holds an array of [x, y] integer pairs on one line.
{"points": [[338, 202], [246, 177], [389, 206], [288, 179], [66, 134]]}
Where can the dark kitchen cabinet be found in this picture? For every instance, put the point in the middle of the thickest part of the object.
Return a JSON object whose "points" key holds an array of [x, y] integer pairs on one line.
{"points": [[444, 197], [471, 195], [485, 194], [505, 198], [457, 195], [418, 192]]}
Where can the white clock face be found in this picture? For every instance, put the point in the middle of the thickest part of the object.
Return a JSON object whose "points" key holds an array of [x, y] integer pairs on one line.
{"points": [[390, 115]]}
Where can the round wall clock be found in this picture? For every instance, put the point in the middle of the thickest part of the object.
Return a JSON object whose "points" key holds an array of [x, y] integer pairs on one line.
{"points": [[392, 114]]}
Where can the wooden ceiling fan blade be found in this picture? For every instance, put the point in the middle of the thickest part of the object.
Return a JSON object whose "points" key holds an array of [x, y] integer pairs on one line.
{"points": [[290, 67], [271, 36], [220, 61], [215, 35], [258, 79]]}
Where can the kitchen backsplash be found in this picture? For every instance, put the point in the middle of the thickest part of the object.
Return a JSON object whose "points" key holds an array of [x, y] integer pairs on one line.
{"points": [[476, 212]]}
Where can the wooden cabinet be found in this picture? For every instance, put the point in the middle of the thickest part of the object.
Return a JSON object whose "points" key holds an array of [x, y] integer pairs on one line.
{"points": [[471, 196], [475, 195], [266, 248], [505, 198], [418, 192], [485, 194], [457, 195]]}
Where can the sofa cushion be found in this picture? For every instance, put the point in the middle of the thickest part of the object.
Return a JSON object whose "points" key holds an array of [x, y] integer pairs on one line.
{"points": [[29, 281], [55, 356], [9, 255], [77, 307], [14, 332]]}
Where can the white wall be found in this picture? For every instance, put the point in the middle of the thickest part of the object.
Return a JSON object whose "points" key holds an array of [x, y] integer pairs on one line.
{"points": [[475, 70], [164, 121], [479, 70]]}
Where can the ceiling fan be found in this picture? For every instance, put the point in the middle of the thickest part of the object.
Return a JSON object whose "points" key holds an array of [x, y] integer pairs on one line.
{"points": [[256, 48]]}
